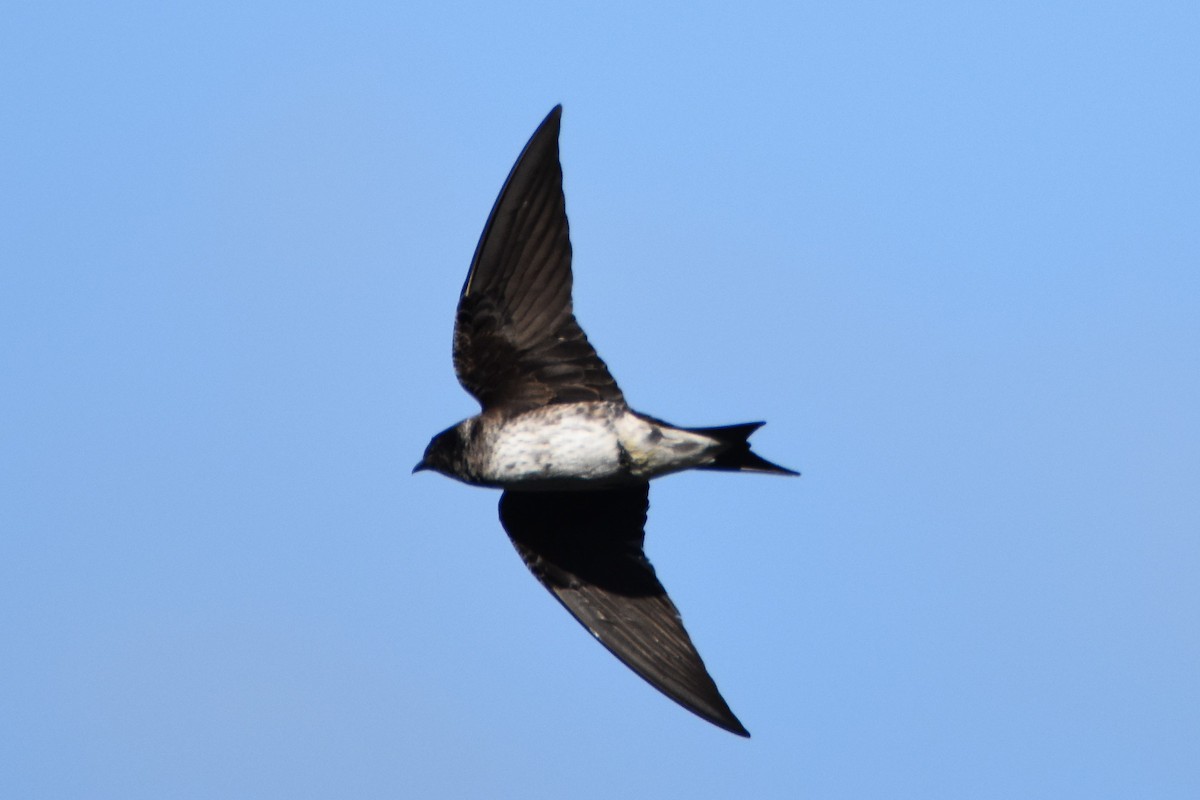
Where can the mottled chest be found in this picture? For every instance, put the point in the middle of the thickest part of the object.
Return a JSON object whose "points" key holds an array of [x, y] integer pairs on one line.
{"points": [[560, 444]]}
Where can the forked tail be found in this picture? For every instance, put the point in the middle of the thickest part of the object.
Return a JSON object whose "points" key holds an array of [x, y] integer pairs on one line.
{"points": [[737, 456]]}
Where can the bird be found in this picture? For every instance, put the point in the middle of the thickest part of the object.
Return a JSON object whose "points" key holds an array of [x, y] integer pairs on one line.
{"points": [[573, 460]]}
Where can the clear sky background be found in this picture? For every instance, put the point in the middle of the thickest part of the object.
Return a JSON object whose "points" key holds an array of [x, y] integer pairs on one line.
{"points": [[950, 251]]}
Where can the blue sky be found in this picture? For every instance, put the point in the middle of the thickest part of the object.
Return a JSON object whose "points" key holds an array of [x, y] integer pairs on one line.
{"points": [[949, 251]]}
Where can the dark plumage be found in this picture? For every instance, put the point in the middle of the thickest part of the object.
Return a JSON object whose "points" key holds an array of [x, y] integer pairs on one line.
{"points": [[556, 434], [586, 548], [516, 341]]}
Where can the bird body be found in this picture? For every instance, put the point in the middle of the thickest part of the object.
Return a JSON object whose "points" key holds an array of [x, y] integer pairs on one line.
{"points": [[555, 433], [581, 446]]}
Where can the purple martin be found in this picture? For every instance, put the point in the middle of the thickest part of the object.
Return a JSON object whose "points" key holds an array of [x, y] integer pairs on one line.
{"points": [[574, 460]]}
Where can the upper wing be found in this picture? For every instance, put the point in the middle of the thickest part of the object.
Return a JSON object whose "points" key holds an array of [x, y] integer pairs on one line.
{"points": [[516, 341], [586, 548]]}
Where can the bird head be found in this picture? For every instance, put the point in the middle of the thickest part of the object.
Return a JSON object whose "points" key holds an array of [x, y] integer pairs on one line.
{"points": [[445, 453]]}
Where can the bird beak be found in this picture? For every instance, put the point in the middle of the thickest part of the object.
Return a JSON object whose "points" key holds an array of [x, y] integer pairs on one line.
{"points": [[420, 467]]}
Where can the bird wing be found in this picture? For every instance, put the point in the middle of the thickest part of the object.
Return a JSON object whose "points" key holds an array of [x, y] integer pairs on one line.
{"points": [[516, 341], [586, 548]]}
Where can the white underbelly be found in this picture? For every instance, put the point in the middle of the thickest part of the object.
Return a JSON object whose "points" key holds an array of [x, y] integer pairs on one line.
{"points": [[652, 450], [562, 449], [559, 446]]}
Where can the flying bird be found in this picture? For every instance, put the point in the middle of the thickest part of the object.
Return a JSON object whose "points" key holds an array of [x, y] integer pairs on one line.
{"points": [[574, 461]]}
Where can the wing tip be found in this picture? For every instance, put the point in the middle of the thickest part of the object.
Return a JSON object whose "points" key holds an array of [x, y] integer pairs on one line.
{"points": [[543, 142], [739, 730], [722, 716], [551, 120]]}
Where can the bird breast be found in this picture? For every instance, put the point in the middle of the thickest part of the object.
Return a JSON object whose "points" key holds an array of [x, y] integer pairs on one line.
{"points": [[568, 443], [574, 445]]}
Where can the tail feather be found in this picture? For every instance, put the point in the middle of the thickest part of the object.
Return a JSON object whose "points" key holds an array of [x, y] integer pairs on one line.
{"points": [[737, 456]]}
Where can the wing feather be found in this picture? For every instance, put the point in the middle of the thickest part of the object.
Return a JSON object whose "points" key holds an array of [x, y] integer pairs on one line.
{"points": [[586, 548], [516, 340]]}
